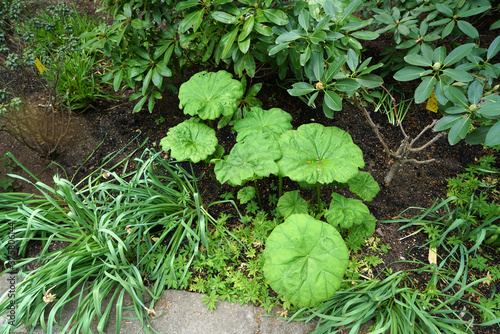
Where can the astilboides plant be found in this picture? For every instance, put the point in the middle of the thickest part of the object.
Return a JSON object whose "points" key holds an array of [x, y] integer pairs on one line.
{"points": [[305, 260], [255, 154], [207, 96], [319, 155]]}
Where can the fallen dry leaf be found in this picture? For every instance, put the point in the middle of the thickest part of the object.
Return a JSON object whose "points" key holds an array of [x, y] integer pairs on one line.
{"points": [[48, 297], [432, 255]]}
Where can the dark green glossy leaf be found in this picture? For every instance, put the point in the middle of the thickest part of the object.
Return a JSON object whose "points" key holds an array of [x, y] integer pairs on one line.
{"points": [[493, 136], [457, 75], [370, 80], [418, 60], [490, 110], [192, 20], [365, 35], [289, 36], [446, 122], [276, 16], [424, 90], [227, 41], [224, 17], [333, 100], [493, 48], [456, 96], [347, 85], [300, 88], [459, 130], [458, 54], [274, 49], [475, 92], [468, 29], [410, 73]]}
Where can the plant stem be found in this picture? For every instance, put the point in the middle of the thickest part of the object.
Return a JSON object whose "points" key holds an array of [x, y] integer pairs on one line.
{"points": [[257, 192], [318, 195], [280, 185], [392, 172]]}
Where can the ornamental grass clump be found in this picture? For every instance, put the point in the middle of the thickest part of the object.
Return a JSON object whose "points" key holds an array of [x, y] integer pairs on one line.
{"points": [[147, 225]]}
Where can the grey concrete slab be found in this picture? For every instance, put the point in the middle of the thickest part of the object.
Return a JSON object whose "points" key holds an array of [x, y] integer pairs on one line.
{"points": [[183, 312]]}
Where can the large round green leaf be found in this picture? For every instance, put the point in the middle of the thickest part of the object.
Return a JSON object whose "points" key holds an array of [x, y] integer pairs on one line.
{"points": [[258, 122], [247, 161], [314, 153], [305, 260], [209, 95], [189, 140], [345, 212], [364, 185]]}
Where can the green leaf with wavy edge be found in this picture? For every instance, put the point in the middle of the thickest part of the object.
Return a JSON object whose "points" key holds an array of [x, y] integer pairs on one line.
{"points": [[346, 212], [364, 185], [248, 160], [418, 60], [363, 230], [246, 194], [190, 141], [315, 153], [291, 203], [258, 122], [468, 29], [305, 260], [210, 94]]}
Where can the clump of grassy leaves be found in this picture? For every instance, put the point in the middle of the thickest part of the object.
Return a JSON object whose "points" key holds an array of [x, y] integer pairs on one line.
{"points": [[111, 229]]}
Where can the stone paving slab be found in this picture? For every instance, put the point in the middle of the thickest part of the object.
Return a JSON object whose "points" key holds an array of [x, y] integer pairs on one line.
{"points": [[184, 313]]}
